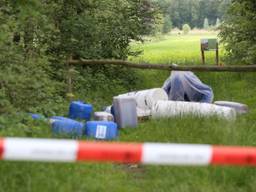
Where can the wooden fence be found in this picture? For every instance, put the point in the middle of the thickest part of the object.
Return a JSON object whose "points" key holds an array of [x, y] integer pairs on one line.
{"points": [[166, 67]]}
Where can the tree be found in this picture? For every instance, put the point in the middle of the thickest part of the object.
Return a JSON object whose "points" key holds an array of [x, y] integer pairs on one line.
{"points": [[37, 37], [217, 23], [25, 72], [206, 24], [186, 28], [193, 12], [223, 7], [238, 32], [167, 26]]}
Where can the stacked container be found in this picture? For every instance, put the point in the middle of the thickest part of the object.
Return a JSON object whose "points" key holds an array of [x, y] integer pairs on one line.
{"points": [[80, 110]]}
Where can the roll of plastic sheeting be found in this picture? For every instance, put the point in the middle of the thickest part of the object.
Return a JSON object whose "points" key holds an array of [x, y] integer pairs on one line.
{"points": [[181, 108], [103, 116], [80, 110], [65, 126], [239, 107], [101, 130], [146, 99]]}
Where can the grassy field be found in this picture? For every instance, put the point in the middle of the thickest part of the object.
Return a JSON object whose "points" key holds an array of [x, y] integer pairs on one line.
{"points": [[179, 49], [30, 176]]}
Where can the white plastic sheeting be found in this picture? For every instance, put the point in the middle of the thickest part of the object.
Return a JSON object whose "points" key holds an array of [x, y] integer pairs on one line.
{"points": [[186, 86], [239, 107], [181, 108]]}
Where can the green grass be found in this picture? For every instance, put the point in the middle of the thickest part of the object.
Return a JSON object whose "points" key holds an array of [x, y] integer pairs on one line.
{"points": [[180, 49], [31, 176]]}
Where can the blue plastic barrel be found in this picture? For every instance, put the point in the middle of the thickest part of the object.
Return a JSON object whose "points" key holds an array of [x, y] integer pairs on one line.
{"points": [[106, 130], [66, 126], [80, 110]]}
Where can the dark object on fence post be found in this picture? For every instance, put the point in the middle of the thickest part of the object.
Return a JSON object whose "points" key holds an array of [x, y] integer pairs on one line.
{"points": [[210, 45]]}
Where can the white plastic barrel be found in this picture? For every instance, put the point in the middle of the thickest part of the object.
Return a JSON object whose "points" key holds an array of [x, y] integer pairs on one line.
{"points": [[146, 99]]}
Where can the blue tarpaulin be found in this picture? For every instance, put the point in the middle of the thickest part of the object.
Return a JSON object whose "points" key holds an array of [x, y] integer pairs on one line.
{"points": [[186, 86]]}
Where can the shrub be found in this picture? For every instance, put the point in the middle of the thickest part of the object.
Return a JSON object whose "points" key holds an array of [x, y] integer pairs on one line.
{"points": [[37, 37], [186, 29], [238, 32]]}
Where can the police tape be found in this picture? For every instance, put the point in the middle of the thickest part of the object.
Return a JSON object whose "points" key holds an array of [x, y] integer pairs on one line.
{"points": [[54, 150]]}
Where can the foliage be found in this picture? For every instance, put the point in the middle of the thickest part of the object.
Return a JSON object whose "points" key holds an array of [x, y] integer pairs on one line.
{"points": [[238, 32], [167, 24], [158, 28], [108, 27], [186, 28], [37, 37], [26, 82], [193, 12]]}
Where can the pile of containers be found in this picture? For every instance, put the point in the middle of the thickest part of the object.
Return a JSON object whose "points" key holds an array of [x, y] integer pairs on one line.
{"points": [[128, 107], [79, 123]]}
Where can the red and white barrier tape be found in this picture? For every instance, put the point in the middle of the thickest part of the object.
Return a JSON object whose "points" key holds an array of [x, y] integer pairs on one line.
{"points": [[148, 153]]}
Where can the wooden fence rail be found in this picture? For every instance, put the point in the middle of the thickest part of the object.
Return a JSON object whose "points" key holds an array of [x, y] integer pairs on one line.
{"points": [[168, 67]]}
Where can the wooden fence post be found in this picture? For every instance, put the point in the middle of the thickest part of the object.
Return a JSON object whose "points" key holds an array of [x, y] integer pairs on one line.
{"points": [[217, 53], [202, 54]]}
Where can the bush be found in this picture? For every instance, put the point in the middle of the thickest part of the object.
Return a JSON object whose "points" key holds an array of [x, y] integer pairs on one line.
{"points": [[37, 37], [186, 29], [238, 32], [26, 84]]}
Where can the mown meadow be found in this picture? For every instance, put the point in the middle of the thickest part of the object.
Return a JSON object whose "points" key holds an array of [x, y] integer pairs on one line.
{"points": [[240, 87], [177, 48]]}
